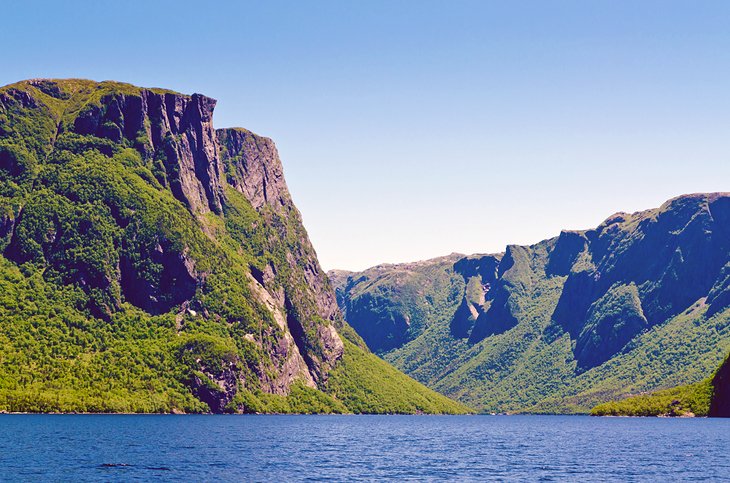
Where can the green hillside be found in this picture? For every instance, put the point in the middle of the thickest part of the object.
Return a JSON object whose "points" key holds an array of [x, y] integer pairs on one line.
{"points": [[149, 263], [710, 397], [682, 401], [638, 304]]}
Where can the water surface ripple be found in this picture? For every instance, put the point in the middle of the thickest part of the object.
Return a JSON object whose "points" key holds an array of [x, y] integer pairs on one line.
{"points": [[361, 448]]}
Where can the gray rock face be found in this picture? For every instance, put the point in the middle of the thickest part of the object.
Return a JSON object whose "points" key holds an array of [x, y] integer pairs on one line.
{"points": [[284, 350], [194, 162], [254, 168], [216, 388], [174, 128], [297, 286]]}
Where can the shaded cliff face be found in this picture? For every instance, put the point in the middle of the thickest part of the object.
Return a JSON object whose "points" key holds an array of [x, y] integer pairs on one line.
{"points": [[720, 402], [152, 263], [668, 258], [168, 135], [586, 309]]}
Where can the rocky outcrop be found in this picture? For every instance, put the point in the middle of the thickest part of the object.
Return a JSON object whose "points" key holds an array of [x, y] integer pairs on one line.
{"points": [[216, 388], [285, 353], [390, 305], [632, 272], [175, 129], [152, 257], [567, 248], [480, 271], [174, 285], [612, 321], [576, 298], [12, 96], [513, 276], [463, 320], [719, 296], [254, 168], [116, 256], [383, 326], [295, 284], [674, 256]]}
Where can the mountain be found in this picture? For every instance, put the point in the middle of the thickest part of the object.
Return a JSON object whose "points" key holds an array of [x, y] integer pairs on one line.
{"points": [[637, 304], [151, 263]]}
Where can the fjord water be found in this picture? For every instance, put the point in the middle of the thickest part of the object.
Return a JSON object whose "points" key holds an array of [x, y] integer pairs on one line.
{"points": [[285, 448]]}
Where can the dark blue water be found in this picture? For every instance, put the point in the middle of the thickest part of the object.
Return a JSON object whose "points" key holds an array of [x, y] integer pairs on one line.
{"points": [[285, 448]]}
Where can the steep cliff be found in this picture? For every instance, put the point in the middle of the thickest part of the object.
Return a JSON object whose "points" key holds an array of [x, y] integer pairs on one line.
{"points": [[637, 304], [152, 263]]}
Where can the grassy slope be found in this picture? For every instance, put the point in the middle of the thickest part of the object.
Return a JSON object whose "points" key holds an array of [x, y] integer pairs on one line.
{"points": [[364, 383], [520, 371], [55, 355], [418, 293]]}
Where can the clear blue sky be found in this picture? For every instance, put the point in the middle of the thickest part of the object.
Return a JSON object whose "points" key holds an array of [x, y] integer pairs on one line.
{"points": [[410, 130]]}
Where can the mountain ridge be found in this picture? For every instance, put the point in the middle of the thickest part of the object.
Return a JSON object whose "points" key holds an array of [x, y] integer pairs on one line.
{"points": [[177, 274], [538, 317]]}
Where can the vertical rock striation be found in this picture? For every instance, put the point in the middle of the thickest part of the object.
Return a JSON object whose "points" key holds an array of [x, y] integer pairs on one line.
{"points": [[296, 284], [175, 129], [254, 168]]}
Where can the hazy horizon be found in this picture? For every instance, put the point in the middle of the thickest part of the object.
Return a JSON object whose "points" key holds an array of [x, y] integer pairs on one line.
{"points": [[411, 130]]}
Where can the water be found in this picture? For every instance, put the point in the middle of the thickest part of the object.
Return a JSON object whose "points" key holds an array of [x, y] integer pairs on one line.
{"points": [[286, 448]]}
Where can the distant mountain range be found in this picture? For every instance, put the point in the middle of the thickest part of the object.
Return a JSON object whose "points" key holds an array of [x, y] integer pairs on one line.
{"points": [[637, 304]]}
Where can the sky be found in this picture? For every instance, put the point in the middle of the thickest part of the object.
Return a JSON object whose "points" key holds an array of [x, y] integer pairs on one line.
{"points": [[414, 129]]}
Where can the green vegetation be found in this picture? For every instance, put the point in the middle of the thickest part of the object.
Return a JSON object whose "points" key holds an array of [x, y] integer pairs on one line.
{"points": [[54, 357], [691, 400], [301, 400], [633, 306], [397, 303], [367, 384], [117, 296]]}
